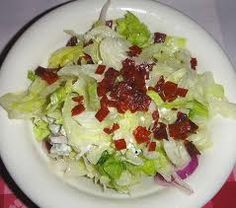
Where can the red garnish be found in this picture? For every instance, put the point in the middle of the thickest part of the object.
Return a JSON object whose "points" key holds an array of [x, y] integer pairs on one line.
{"points": [[107, 83], [159, 131], [120, 144], [128, 97], [159, 37], [152, 146], [109, 23], [102, 114], [170, 91], [78, 99], [88, 59], [134, 51], [72, 41], [191, 148], [77, 110], [181, 92], [100, 69], [47, 74], [141, 134], [155, 115], [182, 127], [115, 126], [193, 63]]}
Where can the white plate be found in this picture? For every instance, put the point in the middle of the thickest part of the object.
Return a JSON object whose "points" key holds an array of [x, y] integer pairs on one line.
{"points": [[23, 157]]}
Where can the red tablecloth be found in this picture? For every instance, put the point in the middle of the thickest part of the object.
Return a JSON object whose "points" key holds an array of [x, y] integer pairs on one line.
{"points": [[226, 198]]}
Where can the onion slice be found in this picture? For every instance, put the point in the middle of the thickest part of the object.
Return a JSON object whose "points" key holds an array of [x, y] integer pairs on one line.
{"points": [[189, 168]]}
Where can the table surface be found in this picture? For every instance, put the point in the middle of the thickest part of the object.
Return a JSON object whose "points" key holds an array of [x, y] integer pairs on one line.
{"points": [[216, 16]]}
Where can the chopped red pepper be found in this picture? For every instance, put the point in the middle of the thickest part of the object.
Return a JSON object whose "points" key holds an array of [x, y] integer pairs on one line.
{"points": [[193, 63], [47, 74], [115, 126], [102, 113], [107, 83], [141, 134], [134, 51], [77, 110], [181, 92], [170, 91], [78, 99], [88, 43], [120, 144], [182, 127], [72, 41], [100, 69], [159, 131], [155, 115], [159, 37], [152, 146]]}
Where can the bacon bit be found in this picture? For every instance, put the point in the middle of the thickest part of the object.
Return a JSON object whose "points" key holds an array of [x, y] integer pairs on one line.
{"points": [[182, 127], [102, 113], [100, 69], [78, 109], [182, 92], [47, 74], [170, 91], [159, 131], [141, 134], [152, 146], [159, 37], [193, 63], [115, 126], [120, 144], [155, 115], [134, 51], [78, 99], [72, 41], [191, 148], [109, 23]]}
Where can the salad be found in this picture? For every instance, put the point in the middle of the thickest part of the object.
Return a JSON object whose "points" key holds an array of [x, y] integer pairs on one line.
{"points": [[121, 103]]}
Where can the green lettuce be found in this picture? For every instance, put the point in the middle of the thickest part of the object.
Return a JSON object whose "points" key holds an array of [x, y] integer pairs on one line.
{"points": [[40, 129], [133, 30], [65, 56]]}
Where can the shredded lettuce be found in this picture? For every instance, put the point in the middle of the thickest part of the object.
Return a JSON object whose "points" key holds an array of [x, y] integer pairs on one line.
{"points": [[93, 51], [113, 51], [100, 32]]}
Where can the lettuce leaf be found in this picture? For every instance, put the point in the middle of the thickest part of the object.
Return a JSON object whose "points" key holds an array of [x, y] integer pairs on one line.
{"points": [[133, 30], [113, 51], [65, 56]]}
